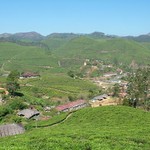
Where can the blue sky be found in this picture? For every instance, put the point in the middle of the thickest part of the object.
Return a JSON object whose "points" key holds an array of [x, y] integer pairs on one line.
{"points": [[119, 17]]}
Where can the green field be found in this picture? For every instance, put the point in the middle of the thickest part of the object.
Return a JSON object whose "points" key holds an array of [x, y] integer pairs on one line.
{"points": [[106, 128]]}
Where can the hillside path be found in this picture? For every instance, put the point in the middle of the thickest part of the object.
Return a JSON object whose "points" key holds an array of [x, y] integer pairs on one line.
{"points": [[56, 123]]}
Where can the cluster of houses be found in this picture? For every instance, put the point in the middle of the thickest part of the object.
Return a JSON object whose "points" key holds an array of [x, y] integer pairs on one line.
{"points": [[70, 106], [13, 129]]}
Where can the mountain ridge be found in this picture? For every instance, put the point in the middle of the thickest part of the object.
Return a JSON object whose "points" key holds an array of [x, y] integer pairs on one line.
{"points": [[61, 46], [35, 36]]}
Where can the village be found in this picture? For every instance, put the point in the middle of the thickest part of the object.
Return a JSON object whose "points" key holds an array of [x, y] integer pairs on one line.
{"points": [[106, 81], [111, 80]]}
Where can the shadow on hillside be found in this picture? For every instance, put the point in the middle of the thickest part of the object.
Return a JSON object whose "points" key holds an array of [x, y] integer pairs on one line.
{"points": [[18, 94]]}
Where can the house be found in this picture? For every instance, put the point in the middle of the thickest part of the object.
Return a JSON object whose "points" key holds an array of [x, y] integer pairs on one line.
{"points": [[100, 97], [28, 113], [115, 81], [103, 100], [29, 75], [72, 106], [110, 74], [11, 129], [98, 100]]}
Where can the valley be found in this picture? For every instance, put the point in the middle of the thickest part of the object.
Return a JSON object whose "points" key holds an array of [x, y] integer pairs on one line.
{"points": [[75, 91]]}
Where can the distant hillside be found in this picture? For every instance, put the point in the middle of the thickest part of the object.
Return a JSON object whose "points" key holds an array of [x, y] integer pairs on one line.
{"points": [[140, 38], [95, 35], [63, 35], [23, 36], [113, 127], [5, 35], [14, 56], [69, 50], [105, 49], [56, 40], [34, 36], [100, 35]]}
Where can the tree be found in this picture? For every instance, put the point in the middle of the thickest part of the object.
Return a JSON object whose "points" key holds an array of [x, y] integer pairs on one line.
{"points": [[116, 90], [12, 82], [71, 74], [138, 87]]}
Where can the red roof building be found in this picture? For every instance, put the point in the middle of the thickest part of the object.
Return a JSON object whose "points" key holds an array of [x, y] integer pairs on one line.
{"points": [[29, 75], [72, 106]]}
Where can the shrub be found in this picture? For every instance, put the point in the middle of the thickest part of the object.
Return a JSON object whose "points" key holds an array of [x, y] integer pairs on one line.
{"points": [[16, 119], [2, 91], [71, 98], [17, 104], [5, 111]]}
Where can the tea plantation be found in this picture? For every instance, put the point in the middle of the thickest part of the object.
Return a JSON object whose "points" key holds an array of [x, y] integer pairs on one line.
{"points": [[102, 128]]}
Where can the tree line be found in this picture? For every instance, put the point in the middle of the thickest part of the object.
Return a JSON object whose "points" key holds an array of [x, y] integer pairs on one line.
{"points": [[139, 88]]}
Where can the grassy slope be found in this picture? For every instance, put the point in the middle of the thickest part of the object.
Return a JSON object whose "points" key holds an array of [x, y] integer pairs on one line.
{"points": [[123, 50], [53, 81], [54, 43], [57, 86], [111, 127], [24, 57], [70, 54]]}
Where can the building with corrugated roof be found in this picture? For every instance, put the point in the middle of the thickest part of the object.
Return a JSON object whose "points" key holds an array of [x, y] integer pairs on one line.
{"points": [[11, 129], [28, 113], [72, 106]]}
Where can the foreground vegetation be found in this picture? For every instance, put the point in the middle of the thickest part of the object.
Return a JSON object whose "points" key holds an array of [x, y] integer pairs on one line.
{"points": [[113, 127]]}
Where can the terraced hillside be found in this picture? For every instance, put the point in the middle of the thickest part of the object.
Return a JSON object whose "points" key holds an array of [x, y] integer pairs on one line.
{"points": [[123, 50], [69, 52], [111, 127], [14, 56]]}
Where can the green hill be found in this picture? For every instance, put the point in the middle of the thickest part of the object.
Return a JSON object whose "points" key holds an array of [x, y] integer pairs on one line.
{"points": [[69, 51], [105, 49], [140, 38], [22, 36], [54, 43], [111, 127], [14, 56], [54, 81]]}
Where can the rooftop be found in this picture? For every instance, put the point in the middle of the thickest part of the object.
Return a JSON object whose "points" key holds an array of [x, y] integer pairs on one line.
{"points": [[28, 113], [70, 105], [11, 129], [100, 97]]}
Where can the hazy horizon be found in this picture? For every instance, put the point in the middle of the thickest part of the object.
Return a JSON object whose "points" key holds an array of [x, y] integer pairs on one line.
{"points": [[75, 33]]}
